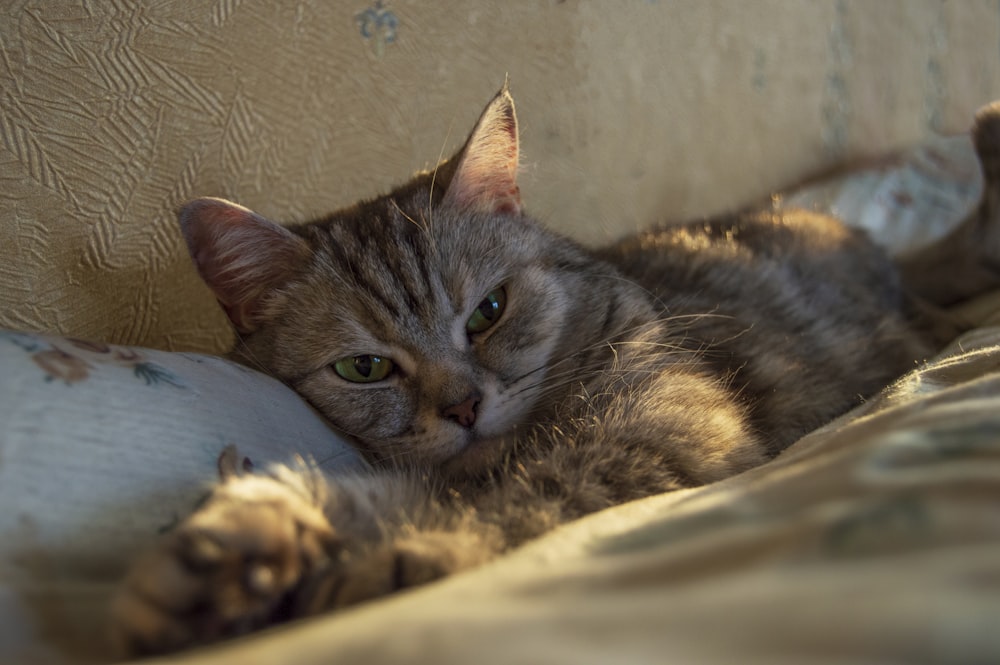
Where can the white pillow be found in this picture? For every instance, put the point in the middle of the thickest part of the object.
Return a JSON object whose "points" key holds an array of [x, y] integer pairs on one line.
{"points": [[103, 446]]}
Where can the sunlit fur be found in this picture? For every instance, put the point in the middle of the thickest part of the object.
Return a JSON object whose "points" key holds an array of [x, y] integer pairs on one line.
{"points": [[669, 359]]}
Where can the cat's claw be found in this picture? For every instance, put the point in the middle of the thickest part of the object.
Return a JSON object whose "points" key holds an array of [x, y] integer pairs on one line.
{"points": [[232, 567]]}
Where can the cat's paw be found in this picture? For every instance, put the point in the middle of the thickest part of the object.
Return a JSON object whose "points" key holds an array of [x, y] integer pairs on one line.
{"points": [[232, 567]]}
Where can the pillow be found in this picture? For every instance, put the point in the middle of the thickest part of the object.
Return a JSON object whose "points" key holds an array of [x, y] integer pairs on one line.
{"points": [[103, 446]]}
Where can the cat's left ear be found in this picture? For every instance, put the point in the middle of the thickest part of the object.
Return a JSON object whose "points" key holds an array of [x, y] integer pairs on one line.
{"points": [[485, 178], [241, 256]]}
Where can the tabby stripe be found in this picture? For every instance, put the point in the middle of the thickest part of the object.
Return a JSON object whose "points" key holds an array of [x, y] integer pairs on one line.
{"points": [[419, 251], [361, 280]]}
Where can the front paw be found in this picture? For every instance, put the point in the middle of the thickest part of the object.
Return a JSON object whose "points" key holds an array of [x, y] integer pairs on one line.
{"points": [[230, 568]]}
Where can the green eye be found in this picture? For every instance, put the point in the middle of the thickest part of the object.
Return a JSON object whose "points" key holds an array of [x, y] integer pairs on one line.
{"points": [[363, 369], [488, 312]]}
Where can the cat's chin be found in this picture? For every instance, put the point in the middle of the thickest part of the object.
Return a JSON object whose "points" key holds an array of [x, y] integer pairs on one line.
{"points": [[477, 457]]}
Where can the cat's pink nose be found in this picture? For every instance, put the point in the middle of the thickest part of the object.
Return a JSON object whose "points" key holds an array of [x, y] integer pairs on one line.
{"points": [[464, 413]]}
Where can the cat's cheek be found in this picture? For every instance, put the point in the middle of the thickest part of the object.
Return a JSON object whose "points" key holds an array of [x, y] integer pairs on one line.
{"points": [[371, 413], [504, 408], [528, 340]]}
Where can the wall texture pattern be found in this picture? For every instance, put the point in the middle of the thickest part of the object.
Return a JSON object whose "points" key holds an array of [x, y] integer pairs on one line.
{"points": [[112, 113]]}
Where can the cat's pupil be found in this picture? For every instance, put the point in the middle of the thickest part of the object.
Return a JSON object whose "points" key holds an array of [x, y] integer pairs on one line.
{"points": [[363, 364], [489, 308]]}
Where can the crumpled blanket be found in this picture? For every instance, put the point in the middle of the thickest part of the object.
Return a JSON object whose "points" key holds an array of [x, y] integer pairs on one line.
{"points": [[873, 540]]}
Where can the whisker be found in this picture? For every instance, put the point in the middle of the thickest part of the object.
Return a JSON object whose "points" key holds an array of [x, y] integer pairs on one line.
{"points": [[437, 165], [422, 227], [679, 349], [245, 352], [608, 341]]}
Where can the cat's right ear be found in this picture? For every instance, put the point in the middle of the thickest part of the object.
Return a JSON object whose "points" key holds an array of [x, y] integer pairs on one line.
{"points": [[240, 255]]}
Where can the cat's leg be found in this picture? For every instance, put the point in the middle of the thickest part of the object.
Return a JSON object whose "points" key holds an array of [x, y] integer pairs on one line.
{"points": [[966, 262], [410, 555], [266, 548]]}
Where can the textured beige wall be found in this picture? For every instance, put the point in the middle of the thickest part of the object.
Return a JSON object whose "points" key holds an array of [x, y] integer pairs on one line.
{"points": [[114, 112]]}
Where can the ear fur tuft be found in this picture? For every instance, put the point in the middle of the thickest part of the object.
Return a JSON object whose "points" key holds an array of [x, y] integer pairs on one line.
{"points": [[240, 255]]}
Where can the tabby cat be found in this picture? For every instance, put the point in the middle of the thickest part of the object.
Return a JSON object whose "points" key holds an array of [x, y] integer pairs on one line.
{"points": [[504, 380]]}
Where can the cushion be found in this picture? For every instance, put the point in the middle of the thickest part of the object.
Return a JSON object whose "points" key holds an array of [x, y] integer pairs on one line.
{"points": [[873, 539], [103, 446]]}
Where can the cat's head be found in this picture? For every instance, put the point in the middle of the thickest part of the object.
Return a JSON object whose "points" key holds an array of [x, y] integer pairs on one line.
{"points": [[423, 322]]}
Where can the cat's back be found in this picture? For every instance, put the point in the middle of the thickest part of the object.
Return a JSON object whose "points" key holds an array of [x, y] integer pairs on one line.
{"points": [[729, 254], [803, 314]]}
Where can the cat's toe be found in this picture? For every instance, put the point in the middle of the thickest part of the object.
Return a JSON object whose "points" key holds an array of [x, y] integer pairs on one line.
{"points": [[163, 606], [232, 567]]}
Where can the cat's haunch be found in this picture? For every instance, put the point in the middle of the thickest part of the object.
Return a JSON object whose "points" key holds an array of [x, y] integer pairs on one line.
{"points": [[504, 379]]}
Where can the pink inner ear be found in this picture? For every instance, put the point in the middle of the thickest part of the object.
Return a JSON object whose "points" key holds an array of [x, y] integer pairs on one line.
{"points": [[240, 255], [486, 177]]}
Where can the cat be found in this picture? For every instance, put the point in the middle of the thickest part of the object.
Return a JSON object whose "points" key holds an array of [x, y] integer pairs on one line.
{"points": [[504, 380]]}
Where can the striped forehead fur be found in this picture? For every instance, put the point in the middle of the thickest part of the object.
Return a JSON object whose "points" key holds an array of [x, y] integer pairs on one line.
{"points": [[405, 264]]}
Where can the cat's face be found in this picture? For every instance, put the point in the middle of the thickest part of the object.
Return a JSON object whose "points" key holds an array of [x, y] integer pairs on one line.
{"points": [[422, 340], [423, 324]]}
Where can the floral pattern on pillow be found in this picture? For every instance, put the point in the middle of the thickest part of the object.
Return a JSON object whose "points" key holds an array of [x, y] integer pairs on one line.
{"points": [[73, 360]]}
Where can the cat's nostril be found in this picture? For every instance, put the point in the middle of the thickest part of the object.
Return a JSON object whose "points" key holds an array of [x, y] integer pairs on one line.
{"points": [[463, 413]]}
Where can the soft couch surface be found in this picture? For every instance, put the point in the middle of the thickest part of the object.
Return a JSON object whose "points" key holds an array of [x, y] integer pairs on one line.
{"points": [[112, 114], [873, 540]]}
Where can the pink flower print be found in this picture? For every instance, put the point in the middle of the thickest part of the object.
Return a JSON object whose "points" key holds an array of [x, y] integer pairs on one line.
{"points": [[57, 364]]}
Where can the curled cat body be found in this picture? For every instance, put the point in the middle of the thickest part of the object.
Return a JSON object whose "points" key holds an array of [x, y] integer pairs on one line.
{"points": [[504, 379]]}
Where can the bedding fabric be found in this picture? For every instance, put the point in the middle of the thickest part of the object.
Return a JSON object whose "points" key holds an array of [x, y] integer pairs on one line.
{"points": [[873, 540]]}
